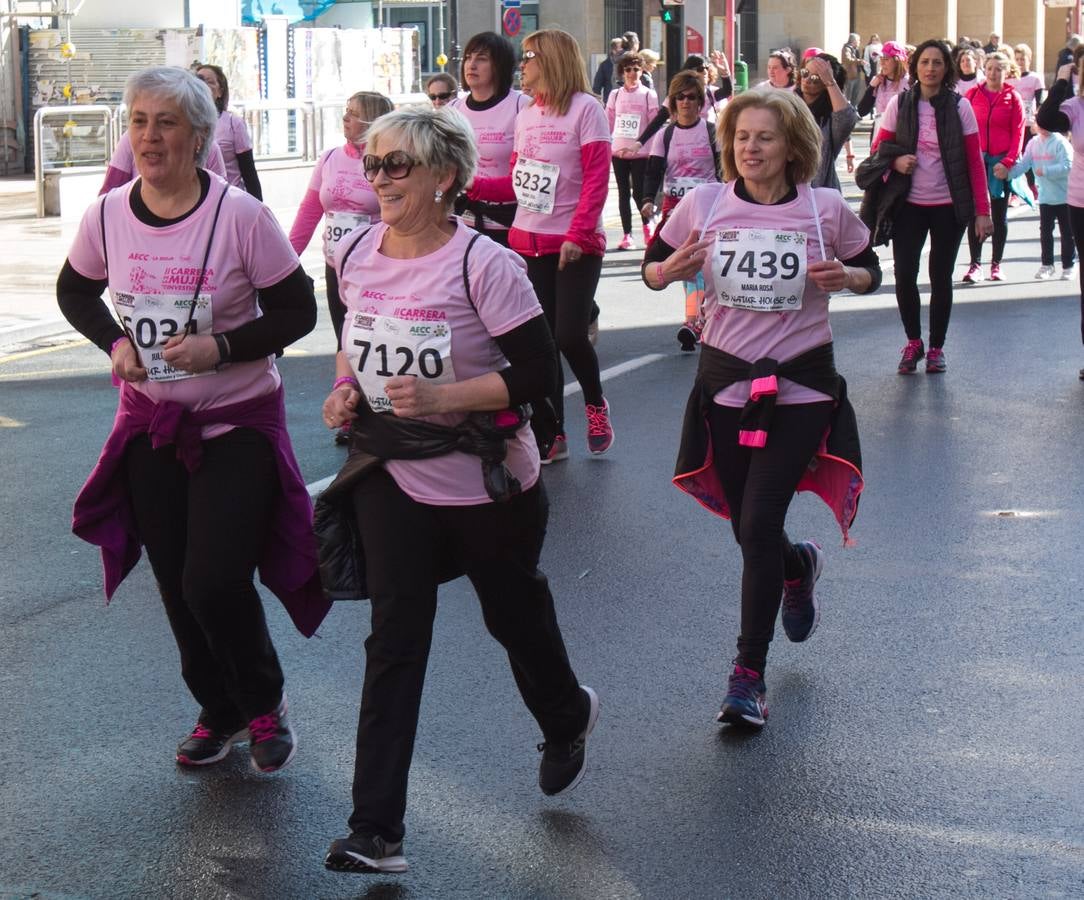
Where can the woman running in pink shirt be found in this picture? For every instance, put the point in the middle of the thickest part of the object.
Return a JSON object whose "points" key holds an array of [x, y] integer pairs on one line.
{"points": [[560, 178]]}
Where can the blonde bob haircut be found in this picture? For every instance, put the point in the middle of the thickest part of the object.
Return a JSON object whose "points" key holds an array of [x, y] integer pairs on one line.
{"points": [[440, 139], [799, 130], [563, 72]]}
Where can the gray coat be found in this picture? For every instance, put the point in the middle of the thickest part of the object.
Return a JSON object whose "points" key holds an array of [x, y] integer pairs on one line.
{"points": [[834, 134]]}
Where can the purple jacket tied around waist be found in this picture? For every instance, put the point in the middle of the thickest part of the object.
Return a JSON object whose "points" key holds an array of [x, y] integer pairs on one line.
{"points": [[103, 513]]}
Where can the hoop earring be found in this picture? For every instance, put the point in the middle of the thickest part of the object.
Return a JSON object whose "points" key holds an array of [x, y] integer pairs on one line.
{"points": [[438, 195]]}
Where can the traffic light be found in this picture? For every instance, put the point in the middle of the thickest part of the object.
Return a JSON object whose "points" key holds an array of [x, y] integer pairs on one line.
{"points": [[666, 13]]}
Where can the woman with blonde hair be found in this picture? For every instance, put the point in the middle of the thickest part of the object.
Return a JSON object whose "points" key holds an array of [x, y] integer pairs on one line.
{"points": [[560, 176], [339, 194], [1030, 86], [999, 111], [771, 249], [651, 60]]}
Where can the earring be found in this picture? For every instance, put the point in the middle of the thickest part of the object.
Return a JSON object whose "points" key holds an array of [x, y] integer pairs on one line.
{"points": [[438, 195]]}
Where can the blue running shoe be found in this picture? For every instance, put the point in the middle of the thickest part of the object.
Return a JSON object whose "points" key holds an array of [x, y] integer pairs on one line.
{"points": [[800, 610], [746, 699]]}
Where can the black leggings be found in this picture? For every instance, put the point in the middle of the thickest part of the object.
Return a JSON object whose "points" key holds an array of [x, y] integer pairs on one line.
{"points": [[630, 178], [498, 546], [912, 225], [568, 297], [204, 533], [335, 305], [999, 212], [1049, 215], [1076, 219], [759, 485]]}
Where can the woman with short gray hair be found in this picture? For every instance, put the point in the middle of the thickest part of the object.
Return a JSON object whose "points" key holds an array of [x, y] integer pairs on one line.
{"points": [[198, 469], [444, 339]]}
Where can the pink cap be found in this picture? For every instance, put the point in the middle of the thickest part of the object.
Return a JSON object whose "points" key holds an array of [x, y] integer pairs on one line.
{"points": [[811, 52], [892, 48]]}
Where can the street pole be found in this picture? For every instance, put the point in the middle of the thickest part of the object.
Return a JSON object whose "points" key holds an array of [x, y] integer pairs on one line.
{"points": [[453, 35]]}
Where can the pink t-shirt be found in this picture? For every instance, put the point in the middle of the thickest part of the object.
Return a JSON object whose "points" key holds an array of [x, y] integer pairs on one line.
{"points": [[232, 138], [753, 335], [553, 140], [962, 87], [689, 159], [1027, 86], [888, 90], [248, 252], [424, 301], [929, 187], [628, 113], [124, 160], [340, 181], [1074, 109], [494, 131]]}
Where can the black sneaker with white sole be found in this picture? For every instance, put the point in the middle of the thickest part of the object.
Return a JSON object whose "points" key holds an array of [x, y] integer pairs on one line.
{"points": [[365, 853], [563, 764]]}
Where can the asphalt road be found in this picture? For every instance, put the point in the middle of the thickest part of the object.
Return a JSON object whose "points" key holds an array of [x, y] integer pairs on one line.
{"points": [[926, 742]]}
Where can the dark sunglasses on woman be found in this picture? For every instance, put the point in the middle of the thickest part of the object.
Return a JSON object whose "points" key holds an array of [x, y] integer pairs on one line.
{"points": [[447, 95], [396, 164]]}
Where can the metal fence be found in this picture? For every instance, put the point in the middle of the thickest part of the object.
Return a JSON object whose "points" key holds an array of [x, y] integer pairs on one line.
{"points": [[82, 137]]}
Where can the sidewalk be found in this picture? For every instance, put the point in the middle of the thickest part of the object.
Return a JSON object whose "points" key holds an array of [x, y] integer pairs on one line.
{"points": [[35, 250]]}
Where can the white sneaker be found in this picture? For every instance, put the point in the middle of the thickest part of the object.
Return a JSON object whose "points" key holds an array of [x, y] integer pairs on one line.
{"points": [[1068, 274], [1044, 273]]}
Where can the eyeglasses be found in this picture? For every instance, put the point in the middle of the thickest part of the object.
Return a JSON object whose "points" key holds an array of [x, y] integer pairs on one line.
{"points": [[396, 165], [808, 76], [447, 95], [634, 68], [528, 54], [347, 116], [691, 98], [705, 69]]}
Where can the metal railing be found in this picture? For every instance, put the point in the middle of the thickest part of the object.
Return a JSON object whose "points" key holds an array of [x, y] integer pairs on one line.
{"points": [[271, 127], [68, 114], [276, 126]]}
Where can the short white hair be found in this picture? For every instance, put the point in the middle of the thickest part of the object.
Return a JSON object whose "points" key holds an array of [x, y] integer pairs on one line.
{"points": [[187, 91], [441, 139]]}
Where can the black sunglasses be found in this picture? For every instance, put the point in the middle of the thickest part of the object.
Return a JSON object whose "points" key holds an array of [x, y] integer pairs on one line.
{"points": [[686, 97], [447, 95], [396, 165]]}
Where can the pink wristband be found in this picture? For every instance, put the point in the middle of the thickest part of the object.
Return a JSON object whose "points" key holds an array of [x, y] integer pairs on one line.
{"points": [[658, 275], [113, 346], [346, 379]]}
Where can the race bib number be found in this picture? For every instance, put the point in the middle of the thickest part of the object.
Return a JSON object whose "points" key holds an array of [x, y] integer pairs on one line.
{"points": [[535, 184], [338, 225], [379, 347], [152, 319], [676, 188], [627, 126], [760, 270]]}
